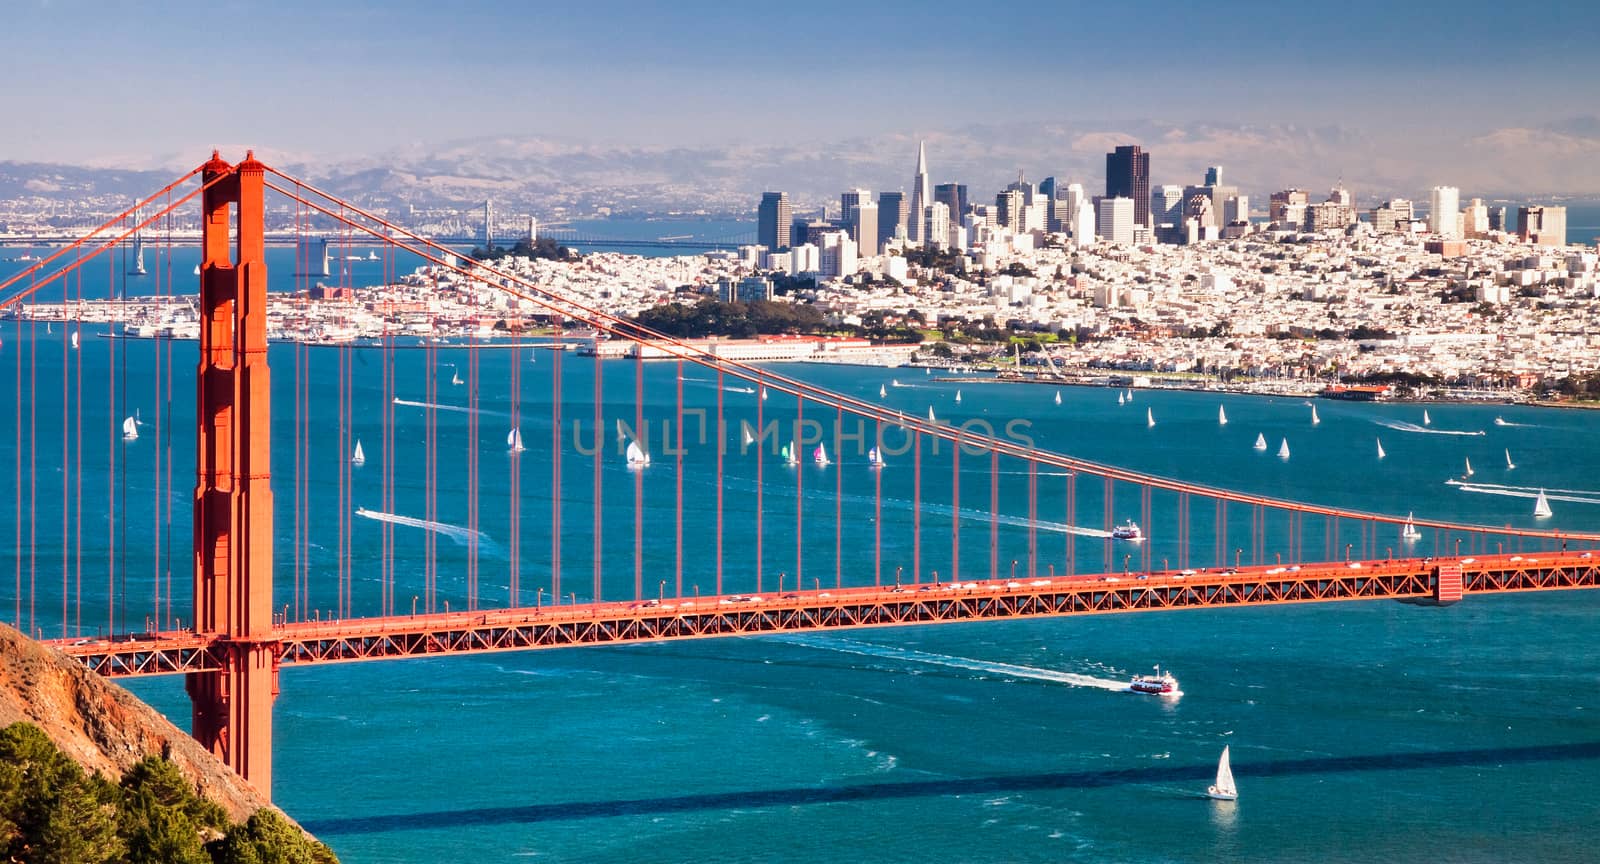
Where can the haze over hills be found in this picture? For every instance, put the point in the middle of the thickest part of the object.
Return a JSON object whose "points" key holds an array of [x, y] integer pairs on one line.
{"points": [[572, 177]]}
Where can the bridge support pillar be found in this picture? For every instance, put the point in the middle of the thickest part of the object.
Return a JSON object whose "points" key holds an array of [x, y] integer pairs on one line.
{"points": [[232, 707], [1447, 583]]}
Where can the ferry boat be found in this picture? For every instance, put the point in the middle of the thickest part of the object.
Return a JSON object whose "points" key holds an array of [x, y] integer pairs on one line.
{"points": [[1128, 530], [1158, 684]]}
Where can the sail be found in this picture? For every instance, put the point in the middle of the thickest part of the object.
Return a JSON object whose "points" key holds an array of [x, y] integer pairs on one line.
{"points": [[820, 455], [1381, 454], [1058, 397], [745, 436], [1410, 532], [1224, 784], [74, 338], [763, 394], [1426, 420], [514, 439], [455, 377], [874, 457], [1469, 466], [130, 429], [882, 391], [1314, 418], [1283, 449], [1149, 417], [1222, 416], [1130, 395], [511, 437], [1261, 441], [359, 457], [636, 455], [1509, 464], [787, 453], [1541, 506], [930, 415], [1121, 400], [958, 397]]}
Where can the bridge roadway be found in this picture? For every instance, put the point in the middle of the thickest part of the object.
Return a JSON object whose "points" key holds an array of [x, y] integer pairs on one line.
{"points": [[1422, 580]]}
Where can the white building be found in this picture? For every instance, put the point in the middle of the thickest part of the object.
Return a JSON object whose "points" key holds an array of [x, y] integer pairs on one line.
{"points": [[1115, 220], [1444, 211], [1083, 224], [837, 257], [936, 225]]}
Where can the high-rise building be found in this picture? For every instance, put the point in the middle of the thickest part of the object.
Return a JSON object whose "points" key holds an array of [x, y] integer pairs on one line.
{"points": [[860, 218], [892, 215], [954, 196], [836, 255], [1009, 204], [1236, 209], [1341, 195], [1214, 175], [1542, 226], [1166, 211], [1030, 192], [1083, 223], [1475, 219], [1128, 176], [1116, 219], [1444, 211], [1497, 219], [773, 221], [921, 195], [1288, 207], [936, 225], [1075, 198], [1047, 188]]}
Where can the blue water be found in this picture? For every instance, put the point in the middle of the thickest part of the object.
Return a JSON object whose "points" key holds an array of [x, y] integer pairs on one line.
{"points": [[1359, 731]]}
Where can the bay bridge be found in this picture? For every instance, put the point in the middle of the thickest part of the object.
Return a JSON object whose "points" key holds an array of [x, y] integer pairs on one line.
{"points": [[929, 540]]}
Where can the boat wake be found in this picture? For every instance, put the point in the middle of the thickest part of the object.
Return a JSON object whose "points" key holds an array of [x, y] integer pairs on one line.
{"points": [[986, 668], [1003, 519], [454, 409], [1575, 496], [1402, 426], [461, 536]]}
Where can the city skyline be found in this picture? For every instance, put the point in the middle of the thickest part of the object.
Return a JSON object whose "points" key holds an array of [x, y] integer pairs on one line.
{"points": [[1503, 89]]}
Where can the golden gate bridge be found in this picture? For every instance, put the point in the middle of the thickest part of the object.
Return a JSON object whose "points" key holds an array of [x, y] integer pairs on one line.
{"points": [[237, 623]]}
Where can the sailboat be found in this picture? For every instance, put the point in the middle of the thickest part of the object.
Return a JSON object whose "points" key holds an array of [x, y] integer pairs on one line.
{"points": [[1130, 394], [635, 455], [1149, 417], [894, 382], [788, 455], [1541, 506], [883, 392], [820, 455], [1058, 397], [930, 415], [359, 457], [1409, 533], [958, 397], [1283, 449], [1509, 464], [1223, 789], [746, 439], [1222, 416], [455, 377], [1381, 454], [73, 339], [1426, 420], [1500, 421], [1469, 467], [763, 394], [874, 458], [197, 269], [1121, 400], [130, 429], [1314, 418], [47, 328], [514, 440], [1261, 441]]}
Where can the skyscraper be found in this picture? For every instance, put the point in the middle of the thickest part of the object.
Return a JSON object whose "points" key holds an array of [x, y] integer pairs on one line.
{"points": [[1214, 175], [773, 220], [1047, 188], [860, 218], [1009, 204], [936, 225], [1444, 211], [892, 214], [1542, 226], [1116, 219], [954, 196], [1166, 210], [921, 194], [1128, 176]]}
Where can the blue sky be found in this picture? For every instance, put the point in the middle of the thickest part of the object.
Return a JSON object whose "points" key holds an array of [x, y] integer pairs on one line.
{"points": [[132, 82]]}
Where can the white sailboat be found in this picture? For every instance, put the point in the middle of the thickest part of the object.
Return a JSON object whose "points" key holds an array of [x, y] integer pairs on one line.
{"points": [[455, 377], [1222, 416], [197, 269], [1058, 397], [73, 339], [1500, 421], [1509, 464], [514, 440], [1149, 417], [1314, 418], [359, 457], [883, 392], [958, 397], [1409, 533], [1381, 454], [1469, 467], [130, 429], [1130, 394], [1426, 420], [635, 455], [1541, 507], [745, 438], [1121, 400], [1283, 449], [894, 382], [930, 415], [874, 458], [788, 455], [1223, 789], [763, 394], [820, 456], [1261, 441]]}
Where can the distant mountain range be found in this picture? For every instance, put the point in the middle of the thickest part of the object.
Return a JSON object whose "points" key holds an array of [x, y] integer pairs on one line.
{"points": [[558, 178]]}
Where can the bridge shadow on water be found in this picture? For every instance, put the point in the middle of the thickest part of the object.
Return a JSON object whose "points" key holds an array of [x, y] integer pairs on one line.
{"points": [[795, 796]]}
